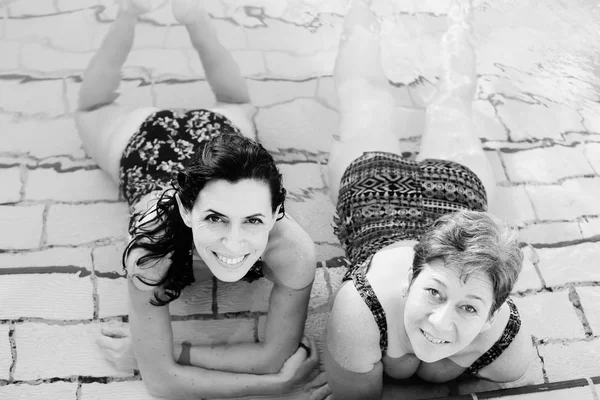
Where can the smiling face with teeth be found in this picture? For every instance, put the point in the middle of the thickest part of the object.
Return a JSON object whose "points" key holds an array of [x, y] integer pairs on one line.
{"points": [[444, 313], [230, 224]]}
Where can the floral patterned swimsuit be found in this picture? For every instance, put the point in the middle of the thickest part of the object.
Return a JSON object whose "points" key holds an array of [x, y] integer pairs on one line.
{"points": [[162, 146]]}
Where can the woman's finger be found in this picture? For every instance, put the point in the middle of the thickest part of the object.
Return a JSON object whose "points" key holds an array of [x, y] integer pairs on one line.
{"points": [[317, 381], [114, 330], [108, 343], [321, 393]]}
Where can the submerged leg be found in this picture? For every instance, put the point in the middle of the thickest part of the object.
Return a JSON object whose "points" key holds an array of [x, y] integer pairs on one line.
{"points": [[366, 105], [449, 129]]}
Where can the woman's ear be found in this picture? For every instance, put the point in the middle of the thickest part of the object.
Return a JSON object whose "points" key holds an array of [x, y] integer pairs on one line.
{"points": [[185, 214], [276, 215], [406, 283]]}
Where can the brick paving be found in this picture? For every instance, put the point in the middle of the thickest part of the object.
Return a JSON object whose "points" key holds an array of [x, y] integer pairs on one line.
{"points": [[64, 222]]}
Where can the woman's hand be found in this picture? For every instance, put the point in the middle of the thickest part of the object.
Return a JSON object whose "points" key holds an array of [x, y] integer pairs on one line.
{"points": [[298, 369], [115, 342]]}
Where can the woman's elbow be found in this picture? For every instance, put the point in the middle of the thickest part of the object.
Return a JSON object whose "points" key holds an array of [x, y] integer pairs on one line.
{"points": [[159, 381]]}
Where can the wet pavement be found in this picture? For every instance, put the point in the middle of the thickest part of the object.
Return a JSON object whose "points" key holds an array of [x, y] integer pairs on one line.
{"points": [[63, 222]]}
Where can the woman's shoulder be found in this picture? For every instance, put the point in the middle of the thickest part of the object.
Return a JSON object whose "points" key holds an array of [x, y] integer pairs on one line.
{"points": [[290, 256], [353, 349]]}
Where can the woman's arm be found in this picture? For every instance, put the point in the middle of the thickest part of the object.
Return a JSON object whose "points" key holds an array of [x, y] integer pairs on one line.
{"points": [[152, 341], [291, 263], [352, 356]]}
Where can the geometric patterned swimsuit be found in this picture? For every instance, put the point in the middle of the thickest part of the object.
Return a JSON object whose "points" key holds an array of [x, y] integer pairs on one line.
{"points": [[162, 147], [368, 295], [385, 198]]}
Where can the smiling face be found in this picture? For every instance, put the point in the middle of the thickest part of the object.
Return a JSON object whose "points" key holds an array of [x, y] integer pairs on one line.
{"points": [[443, 314], [230, 224]]}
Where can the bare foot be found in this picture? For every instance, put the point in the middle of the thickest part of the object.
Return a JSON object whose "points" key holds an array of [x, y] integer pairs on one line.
{"points": [[188, 11], [138, 7]]}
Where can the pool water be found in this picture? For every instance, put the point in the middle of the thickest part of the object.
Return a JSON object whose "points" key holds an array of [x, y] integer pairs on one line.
{"points": [[64, 224]]}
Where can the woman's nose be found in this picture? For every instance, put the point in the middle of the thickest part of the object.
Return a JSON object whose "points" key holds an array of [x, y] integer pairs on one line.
{"points": [[441, 318], [234, 238]]}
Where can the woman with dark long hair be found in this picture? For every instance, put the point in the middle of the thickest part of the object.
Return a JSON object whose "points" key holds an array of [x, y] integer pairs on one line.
{"points": [[200, 187]]}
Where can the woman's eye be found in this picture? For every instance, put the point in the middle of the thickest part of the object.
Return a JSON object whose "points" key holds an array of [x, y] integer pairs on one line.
{"points": [[434, 293], [214, 218], [470, 309], [254, 221]]}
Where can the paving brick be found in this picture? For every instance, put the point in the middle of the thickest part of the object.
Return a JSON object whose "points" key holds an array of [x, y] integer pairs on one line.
{"points": [[62, 31], [534, 121], [41, 60], [27, 8], [528, 278], [242, 296], [496, 163], [589, 227], [590, 112], [513, 204], [206, 332], [108, 259], [315, 215], [326, 91], [567, 201], [131, 390], [301, 179], [71, 5], [590, 301], [43, 391], [320, 291], [48, 351], [51, 296], [288, 66], [11, 185], [315, 329], [41, 138], [5, 354], [325, 251], [537, 312], [546, 164], [76, 224], [271, 92], [290, 38], [302, 124], [572, 360], [21, 226], [83, 185], [592, 153], [487, 123], [251, 63], [570, 264], [231, 36], [410, 122], [160, 63], [579, 393], [54, 257], [31, 97], [10, 55], [195, 299], [112, 297], [550, 232], [186, 95]]}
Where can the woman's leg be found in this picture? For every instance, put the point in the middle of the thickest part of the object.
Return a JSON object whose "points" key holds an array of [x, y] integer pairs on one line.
{"points": [[221, 70], [104, 127], [449, 129], [366, 105]]}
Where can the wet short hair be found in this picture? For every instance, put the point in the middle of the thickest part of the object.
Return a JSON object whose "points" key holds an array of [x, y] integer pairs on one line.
{"points": [[475, 242]]}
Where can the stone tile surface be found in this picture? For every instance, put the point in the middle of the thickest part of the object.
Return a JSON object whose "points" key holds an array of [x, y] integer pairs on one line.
{"points": [[64, 225]]}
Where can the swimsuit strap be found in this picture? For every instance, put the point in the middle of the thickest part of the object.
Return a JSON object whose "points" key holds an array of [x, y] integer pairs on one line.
{"points": [[366, 292], [512, 328]]}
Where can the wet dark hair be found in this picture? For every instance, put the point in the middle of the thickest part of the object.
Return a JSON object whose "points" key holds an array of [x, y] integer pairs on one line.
{"points": [[475, 242], [228, 157]]}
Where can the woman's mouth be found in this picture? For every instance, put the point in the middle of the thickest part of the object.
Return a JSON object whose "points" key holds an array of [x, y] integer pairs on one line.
{"points": [[230, 261], [433, 339]]}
